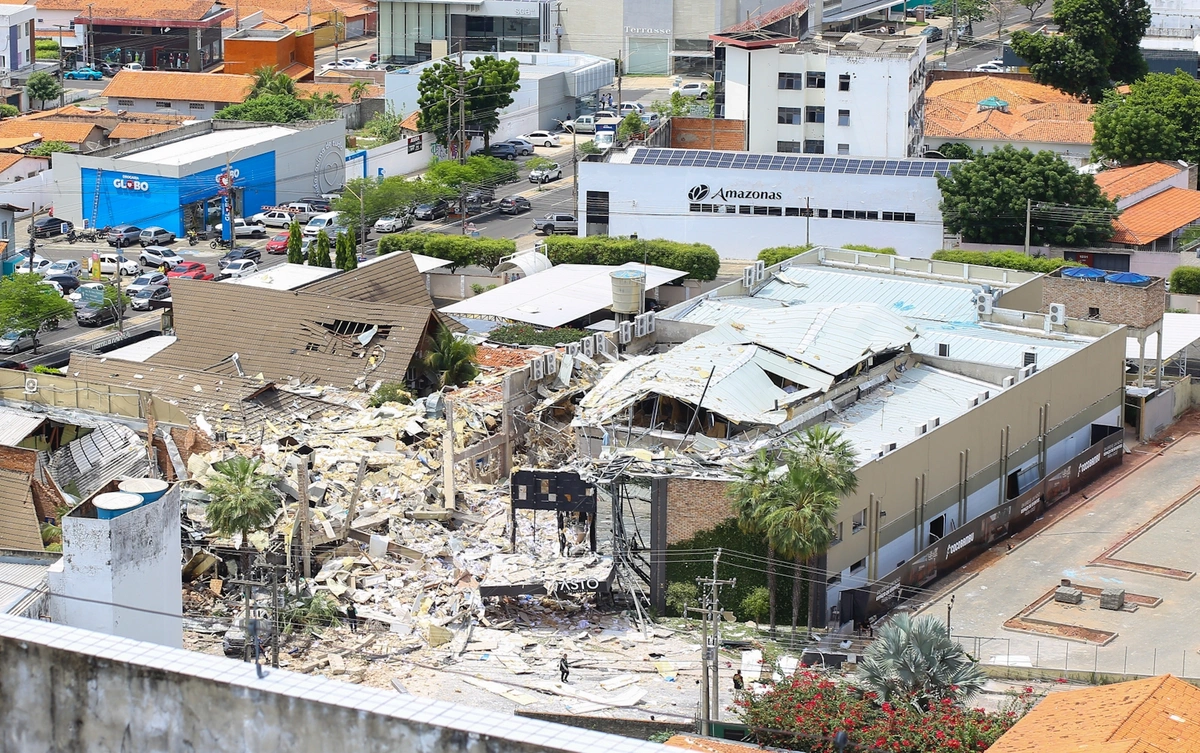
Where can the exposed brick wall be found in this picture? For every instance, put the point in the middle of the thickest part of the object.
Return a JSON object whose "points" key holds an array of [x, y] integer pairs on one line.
{"points": [[46, 499], [695, 505], [708, 133], [17, 459], [1118, 304], [189, 442]]}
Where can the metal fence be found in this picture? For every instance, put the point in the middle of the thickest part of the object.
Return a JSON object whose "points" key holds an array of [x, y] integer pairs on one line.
{"points": [[1032, 658]]}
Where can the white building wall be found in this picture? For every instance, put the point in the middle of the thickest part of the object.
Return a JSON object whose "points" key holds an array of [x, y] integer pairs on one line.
{"points": [[201, 111], [24, 169], [652, 201], [1077, 155]]}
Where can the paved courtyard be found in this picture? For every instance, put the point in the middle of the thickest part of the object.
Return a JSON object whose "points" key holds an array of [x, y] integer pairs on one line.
{"points": [[1158, 639]]}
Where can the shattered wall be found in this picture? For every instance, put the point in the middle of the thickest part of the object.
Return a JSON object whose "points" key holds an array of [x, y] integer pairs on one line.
{"points": [[695, 505]]}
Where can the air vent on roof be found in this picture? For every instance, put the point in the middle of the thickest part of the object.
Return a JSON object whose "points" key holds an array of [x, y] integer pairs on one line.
{"points": [[920, 429], [933, 423], [1008, 381], [944, 350], [1029, 358], [886, 448]]}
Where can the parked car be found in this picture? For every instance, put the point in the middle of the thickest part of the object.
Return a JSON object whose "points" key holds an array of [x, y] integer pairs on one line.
{"points": [[393, 223], [69, 267], [542, 138], [515, 204], [155, 236], [14, 342], [273, 218], [109, 262], [697, 89], [152, 297], [124, 235], [8, 363], [604, 140], [93, 315], [37, 265], [545, 174], [186, 268], [651, 119], [243, 229], [132, 67], [524, 147], [503, 150], [47, 227], [145, 281], [84, 74], [318, 203], [67, 283], [324, 221], [198, 272], [108, 69], [433, 210], [238, 268], [930, 11], [77, 294], [557, 223], [628, 107], [588, 123], [932, 33], [278, 244], [991, 66], [156, 256], [238, 254]]}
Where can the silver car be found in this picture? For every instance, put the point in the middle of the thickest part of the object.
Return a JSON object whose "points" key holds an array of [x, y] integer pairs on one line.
{"points": [[155, 236], [523, 146], [13, 342]]}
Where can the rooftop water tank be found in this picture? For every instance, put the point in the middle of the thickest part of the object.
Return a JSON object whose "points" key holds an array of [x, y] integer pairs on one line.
{"points": [[114, 504], [521, 265], [150, 489], [1084, 273], [628, 290], [1127, 278]]}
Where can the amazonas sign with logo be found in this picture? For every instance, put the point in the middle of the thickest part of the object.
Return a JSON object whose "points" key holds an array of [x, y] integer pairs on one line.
{"points": [[703, 192]]}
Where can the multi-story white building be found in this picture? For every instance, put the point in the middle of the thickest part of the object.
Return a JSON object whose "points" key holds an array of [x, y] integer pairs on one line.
{"points": [[835, 94], [16, 30]]}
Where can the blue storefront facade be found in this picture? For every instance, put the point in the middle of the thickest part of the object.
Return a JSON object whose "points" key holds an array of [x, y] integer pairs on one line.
{"points": [[177, 204]]}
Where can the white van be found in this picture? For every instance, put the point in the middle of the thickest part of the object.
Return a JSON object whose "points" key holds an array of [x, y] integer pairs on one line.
{"points": [[587, 123], [324, 221], [603, 140]]}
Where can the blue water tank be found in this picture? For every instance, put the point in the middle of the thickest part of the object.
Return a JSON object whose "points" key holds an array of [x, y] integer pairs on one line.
{"points": [[1127, 278], [1084, 273]]}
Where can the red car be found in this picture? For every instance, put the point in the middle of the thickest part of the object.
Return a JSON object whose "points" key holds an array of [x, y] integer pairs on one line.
{"points": [[185, 269], [278, 244], [198, 274]]}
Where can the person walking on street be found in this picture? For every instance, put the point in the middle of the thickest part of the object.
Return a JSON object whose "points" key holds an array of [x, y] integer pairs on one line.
{"points": [[564, 668], [352, 618], [738, 682]]}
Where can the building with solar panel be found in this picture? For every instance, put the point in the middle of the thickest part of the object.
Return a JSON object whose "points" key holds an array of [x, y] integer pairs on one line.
{"points": [[740, 202]]}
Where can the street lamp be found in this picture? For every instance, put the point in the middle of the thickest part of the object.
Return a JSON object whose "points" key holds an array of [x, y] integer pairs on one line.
{"points": [[949, 606]]}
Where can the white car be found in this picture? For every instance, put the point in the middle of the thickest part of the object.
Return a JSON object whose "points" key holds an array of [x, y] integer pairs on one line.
{"points": [[239, 268], [545, 174], [697, 89], [108, 265], [132, 67], [156, 256], [992, 66], [64, 267], [628, 107], [273, 218], [542, 138], [145, 281], [392, 223], [242, 229], [38, 265]]}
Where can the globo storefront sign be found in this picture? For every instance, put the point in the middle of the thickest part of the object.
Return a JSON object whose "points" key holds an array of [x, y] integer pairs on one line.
{"points": [[131, 183]]}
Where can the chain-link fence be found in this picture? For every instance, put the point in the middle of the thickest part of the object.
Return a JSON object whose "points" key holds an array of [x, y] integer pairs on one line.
{"points": [[1031, 658]]}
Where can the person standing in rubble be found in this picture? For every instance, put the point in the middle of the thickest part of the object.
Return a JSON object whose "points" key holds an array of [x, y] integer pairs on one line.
{"points": [[352, 618], [564, 668], [738, 682]]}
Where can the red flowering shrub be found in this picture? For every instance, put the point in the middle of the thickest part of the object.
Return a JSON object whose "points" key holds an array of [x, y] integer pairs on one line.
{"points": [[806, 713]]}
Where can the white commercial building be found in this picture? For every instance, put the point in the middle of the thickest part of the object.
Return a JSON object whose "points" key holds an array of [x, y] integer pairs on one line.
{"points": [[16, 31], [740, 203], [837, 94]]}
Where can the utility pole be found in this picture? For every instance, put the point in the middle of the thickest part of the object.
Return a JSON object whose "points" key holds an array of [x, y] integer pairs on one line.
{"points": [[309, 13], [1028, 213], [558, 11], [954, 24], [574, 172], [619, 66], [302, 514], [62, 92], [275, 616], [949, 606], [711, 677], [462, 112]]}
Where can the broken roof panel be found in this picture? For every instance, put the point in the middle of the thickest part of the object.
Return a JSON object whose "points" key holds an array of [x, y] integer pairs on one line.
{"points": [[908, 297], [16, 425], [391, 278], [18, 518], [85, 465]]}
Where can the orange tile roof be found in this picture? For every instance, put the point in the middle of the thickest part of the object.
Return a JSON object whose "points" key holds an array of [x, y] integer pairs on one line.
{"points": [[138, 130], [177, 85], [12, 142], [59, 4], [159, 10], [342, 90], [1012, 91], [1126, 181], [1155, 715], [410, 122], [47, 130], [9, 159], [708, 744], [1043, 122], [1152, 218], [504, 358], [297, 71]]}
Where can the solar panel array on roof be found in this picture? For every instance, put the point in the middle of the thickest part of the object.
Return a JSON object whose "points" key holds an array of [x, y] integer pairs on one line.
{"points": [[912, 168]]}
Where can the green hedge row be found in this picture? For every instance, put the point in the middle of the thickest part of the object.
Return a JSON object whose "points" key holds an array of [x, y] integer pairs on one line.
{"points": [[775, 254], [699, 261], [1004, 260], [459, 250], [1186, 280]]}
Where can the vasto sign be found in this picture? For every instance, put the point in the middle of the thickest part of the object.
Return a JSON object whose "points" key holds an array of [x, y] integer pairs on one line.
{"points": [[131, 183]]}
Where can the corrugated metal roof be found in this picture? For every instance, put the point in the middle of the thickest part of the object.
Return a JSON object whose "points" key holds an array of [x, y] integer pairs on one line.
{"points": [[85, 465], [1179, 331], [557, 296], [911, 298], [720, 310], [21, 581], [979, 343], [284, 276], [15, 425], [142, 349], [391, 278], [18, 518]]}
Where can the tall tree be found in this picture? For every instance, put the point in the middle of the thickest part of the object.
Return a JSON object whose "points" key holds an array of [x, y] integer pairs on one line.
{"points": [[359, 89], [985, 200], [295, 244], [487, 85], [1033, 6], [1158, 120], [242, 500], [268, 80], [339, 251], [319, 255], [753, 494], [323, 105], [269, 108], [915, 662], [26, 304], [42, 86], [450, 360]]}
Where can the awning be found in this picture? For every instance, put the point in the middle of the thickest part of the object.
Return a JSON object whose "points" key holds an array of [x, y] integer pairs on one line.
{"points": [[297, 71], [690, 54]]}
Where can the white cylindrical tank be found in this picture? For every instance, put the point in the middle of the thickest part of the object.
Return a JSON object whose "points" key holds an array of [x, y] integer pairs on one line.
{"points": [[628, 290]]}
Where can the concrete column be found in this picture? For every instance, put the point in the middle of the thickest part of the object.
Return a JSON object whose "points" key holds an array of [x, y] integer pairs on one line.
{"points": [[1142, 361], [1158, 360]]}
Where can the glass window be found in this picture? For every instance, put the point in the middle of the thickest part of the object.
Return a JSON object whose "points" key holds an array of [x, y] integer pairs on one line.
{"points": [[791, 115], [816, 80], [789, 147], [844, 82], [163, 105], [693, 45], [125, 102], [814, 146], [195, 105], [791, 80], [814, 114], [843, 117], [843, 148]]}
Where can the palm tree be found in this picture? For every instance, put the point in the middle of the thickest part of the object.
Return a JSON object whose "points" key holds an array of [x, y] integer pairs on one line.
{"points": [[915, 661], [451, 361], [269, 81], [323, 105], [358, 90], [241, 499], [752, 494], [820, 472]]}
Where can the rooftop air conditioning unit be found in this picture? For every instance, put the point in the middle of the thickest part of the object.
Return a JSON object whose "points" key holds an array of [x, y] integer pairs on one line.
{"points": [[601, 342], [573, 349], [760, 271], [550, 362], [31, 386], [625, 333], [639, 327], [588, 346], [649, 317], [1058, 314], [1007, 381], [983, 303], [537, 369]]}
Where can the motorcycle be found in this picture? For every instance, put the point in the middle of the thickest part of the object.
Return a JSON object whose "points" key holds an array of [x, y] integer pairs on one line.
{"points": [[192, 237], [72, 236], [218, 243]]}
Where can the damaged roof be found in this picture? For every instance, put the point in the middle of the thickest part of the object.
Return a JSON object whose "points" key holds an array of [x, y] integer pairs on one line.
{"points": [[391, 278], [18, 518]]}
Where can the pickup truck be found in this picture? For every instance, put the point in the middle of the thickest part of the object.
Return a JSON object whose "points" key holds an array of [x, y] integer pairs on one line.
{"points": [[557, 223]]}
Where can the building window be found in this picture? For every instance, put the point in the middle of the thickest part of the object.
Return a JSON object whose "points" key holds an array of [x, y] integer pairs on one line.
{"points": [[814, 114], [789, 147], [858, 565], [1093, 313], [843, 117], [195, 105], [843, 148], [816, 79], [136, 31], [791, 80], [844, 82], [791, 115], [162, 105], [814, 146], [837, 534], [125, 102], [860, 521]]}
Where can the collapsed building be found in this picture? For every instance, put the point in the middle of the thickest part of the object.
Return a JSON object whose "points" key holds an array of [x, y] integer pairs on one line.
{"points": [[971, 398]]}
